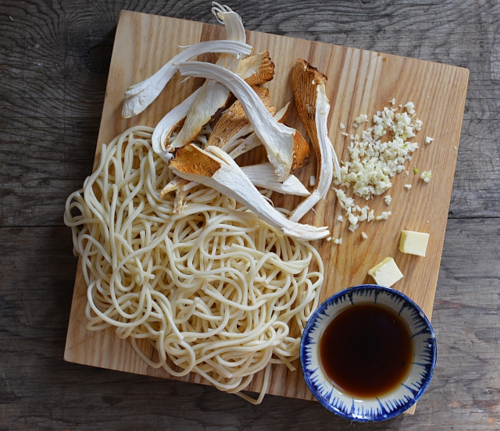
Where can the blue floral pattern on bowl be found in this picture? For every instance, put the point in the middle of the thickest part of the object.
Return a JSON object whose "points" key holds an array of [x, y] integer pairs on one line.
{"points": [[401, 398]]}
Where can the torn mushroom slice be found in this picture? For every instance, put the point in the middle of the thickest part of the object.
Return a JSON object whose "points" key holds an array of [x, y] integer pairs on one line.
{"points": [[173, 185], [256, 69], [166, 126], [139, 96], [212, 95], [252, 141], [262, 175], [313, 108], [216, 169], [286, 148], [181, 193], [234, 123]]}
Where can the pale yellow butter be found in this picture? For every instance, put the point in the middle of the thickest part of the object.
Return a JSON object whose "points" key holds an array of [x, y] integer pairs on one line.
{"points": [[386, 273], [413, 242]]}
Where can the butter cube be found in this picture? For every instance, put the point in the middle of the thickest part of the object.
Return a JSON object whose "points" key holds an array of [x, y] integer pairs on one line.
{"points": [[386, 273], [413, 242]]}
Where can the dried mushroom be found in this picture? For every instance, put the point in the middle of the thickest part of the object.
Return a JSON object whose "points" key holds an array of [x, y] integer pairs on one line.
{"points": [[139, 96], [256, 69], [216, 169], [212, 95], [262, 175], [313, 108], [234, 123], [167, 125], [252, 141], [286, 148]]}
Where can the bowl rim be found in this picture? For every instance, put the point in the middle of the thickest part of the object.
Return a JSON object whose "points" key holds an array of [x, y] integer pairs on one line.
{"points": [[326, 303]]}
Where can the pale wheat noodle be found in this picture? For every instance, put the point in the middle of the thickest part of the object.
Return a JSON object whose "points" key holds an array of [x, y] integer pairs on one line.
{"points": [[212, 288]]}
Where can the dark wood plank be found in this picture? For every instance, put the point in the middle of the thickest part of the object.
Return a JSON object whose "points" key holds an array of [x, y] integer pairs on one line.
{"points": [[54, 62]]}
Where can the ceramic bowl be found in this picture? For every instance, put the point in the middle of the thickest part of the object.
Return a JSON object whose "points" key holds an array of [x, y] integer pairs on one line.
{"points": [[397, 400]]}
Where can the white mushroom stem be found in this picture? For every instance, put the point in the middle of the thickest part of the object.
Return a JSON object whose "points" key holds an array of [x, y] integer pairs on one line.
{"points": [[276, 137], [139, 96], [326, 159], [262, 175], [215, 168], [167, 124], [212, 95], [234, 31]]}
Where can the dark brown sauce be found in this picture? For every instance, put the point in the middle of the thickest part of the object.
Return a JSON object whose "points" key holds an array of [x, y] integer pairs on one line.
{"points": [[366, 350]]}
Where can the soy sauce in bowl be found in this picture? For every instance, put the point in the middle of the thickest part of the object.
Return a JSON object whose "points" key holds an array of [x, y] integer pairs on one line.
{"points": [[368, 353], [366, 350]]}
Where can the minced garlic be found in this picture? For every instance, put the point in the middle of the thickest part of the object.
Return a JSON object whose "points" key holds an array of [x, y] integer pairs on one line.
{"points": [[380, 152], [384, 216], [363, 118], [376, 155], [410, 107], [426, 176]]}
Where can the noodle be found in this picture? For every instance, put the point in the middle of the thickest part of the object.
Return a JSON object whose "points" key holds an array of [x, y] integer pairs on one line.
{"points": [[212, 288]]}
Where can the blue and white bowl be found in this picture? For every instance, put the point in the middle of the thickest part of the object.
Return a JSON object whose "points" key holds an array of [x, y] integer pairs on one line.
{"points": [[409, 390]]}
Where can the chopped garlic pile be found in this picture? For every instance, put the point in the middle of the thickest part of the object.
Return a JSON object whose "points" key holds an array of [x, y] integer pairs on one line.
{"points": [[376, 155], [374, 160]]}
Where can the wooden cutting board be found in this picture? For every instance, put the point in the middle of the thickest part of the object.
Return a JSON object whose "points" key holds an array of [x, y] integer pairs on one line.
{"points": [[358, 82]]}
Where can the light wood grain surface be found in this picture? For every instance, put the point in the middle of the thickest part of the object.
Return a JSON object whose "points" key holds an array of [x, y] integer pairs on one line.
{"points": [[359, 82], [54, 64]]}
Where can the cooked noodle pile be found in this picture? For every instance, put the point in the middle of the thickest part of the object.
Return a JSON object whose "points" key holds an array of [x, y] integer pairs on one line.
{"points": [[213, 288]]}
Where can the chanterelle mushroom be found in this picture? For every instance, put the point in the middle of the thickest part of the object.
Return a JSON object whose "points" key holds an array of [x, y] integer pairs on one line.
{"points": [[256, 69], [252, 141], [313, 108], [234, 123], [215, 168]]}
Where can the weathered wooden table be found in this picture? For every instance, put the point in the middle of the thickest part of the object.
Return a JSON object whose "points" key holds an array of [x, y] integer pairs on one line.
{"points": [[54, 59]]}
